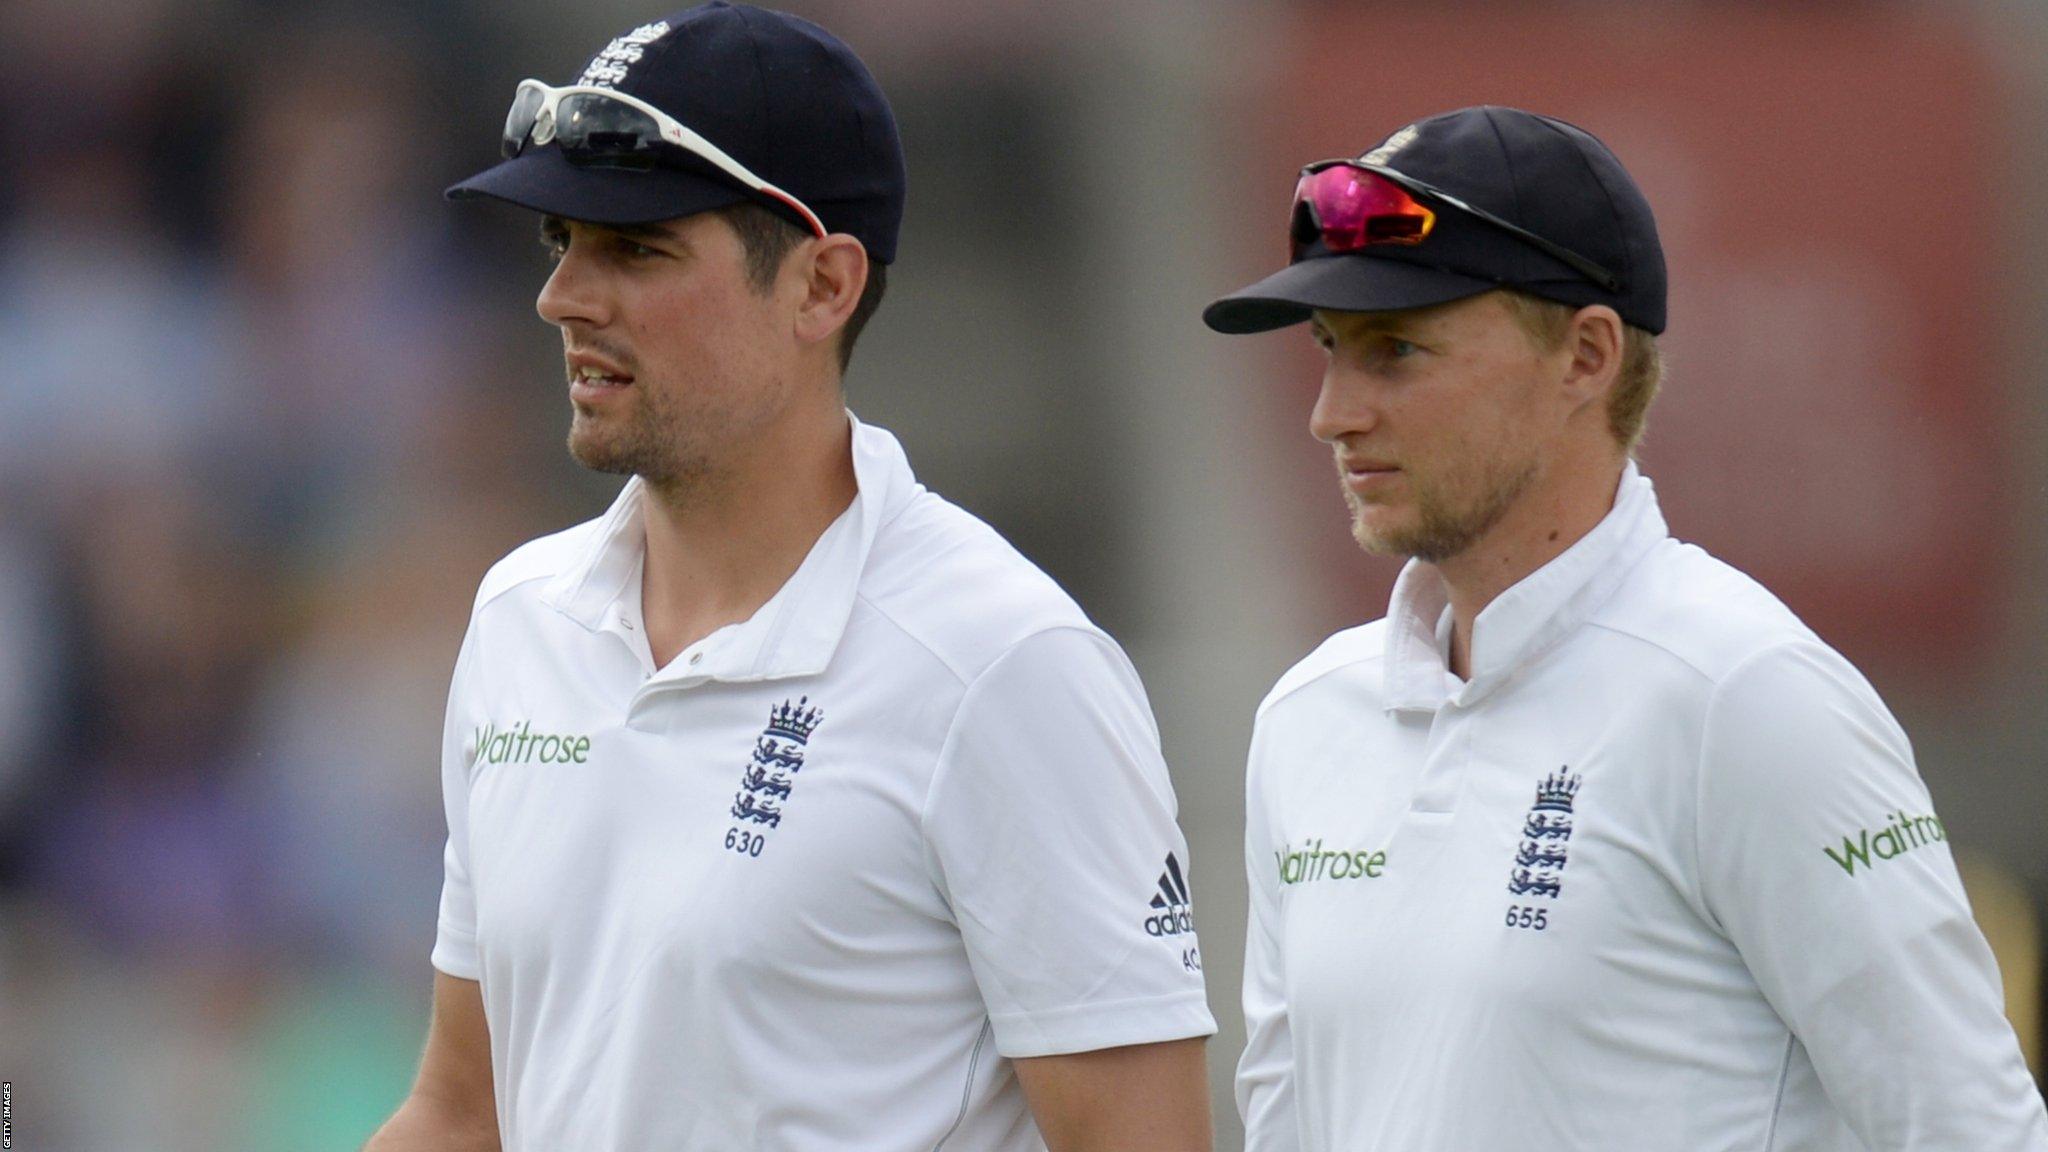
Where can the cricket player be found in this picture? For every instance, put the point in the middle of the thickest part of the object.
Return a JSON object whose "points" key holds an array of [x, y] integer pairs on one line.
{"points": [[1589, 845], [789, 808]]}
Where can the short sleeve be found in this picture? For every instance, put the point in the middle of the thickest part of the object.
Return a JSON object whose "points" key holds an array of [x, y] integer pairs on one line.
{"points": [[1050, 830], [1823, 860], [455, 937], [1265, 1072]]}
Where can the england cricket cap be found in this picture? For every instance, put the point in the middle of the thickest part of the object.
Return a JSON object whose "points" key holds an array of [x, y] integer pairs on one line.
{"points": [[780, 95], [1542, 175]]}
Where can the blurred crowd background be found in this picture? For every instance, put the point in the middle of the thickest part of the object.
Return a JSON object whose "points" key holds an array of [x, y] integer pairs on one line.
{"points": [[269, 408]]}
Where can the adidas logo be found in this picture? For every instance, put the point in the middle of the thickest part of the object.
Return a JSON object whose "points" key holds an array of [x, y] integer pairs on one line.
{"points": [[1176, 913]]}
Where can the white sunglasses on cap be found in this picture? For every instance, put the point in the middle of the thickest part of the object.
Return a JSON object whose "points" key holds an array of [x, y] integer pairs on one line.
{"points": [[599, 127]]}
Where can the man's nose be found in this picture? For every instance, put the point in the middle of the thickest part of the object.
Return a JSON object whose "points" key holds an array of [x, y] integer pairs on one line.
{"points": [[1345, 406], [574, 292]]}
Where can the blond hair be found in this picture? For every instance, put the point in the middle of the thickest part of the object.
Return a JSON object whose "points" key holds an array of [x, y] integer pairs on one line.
{"points": [[1548, 323]]}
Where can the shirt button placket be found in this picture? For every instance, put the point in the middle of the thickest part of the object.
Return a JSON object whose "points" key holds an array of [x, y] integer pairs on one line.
{"points": [[1436, 791]]}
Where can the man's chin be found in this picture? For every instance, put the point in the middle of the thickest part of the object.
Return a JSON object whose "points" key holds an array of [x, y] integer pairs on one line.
{"points": [[1370, 529], [1376, 542], [1427, 543], [594, 453]]}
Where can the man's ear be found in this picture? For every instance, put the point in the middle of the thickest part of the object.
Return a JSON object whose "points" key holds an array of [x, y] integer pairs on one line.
{"points": [[835, 272], [1594, 342]]}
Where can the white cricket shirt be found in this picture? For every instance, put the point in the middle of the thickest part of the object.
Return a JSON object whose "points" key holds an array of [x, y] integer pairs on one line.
{"points": [[1660, 877], [808, 886]]}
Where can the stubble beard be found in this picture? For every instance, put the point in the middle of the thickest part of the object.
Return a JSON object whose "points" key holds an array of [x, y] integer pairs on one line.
{"points": [[649, 442], [1442, 530]]}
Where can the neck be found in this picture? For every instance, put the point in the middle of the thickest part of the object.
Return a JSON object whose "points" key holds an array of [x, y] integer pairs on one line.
{"points": [[1552, 516], [719, 551]]}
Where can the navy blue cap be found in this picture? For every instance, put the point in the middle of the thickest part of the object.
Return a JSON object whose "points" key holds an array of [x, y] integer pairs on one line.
{"points": [[1544, 175], [780, 95]]}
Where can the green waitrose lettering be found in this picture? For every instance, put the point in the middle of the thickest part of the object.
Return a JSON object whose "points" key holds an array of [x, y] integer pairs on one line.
{"points": [[1901, 834], [1314, 862], [522, 745]]}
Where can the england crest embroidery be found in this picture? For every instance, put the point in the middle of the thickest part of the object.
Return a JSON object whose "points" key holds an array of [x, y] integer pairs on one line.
{"points": [[1540, 859], [609, 67], [770, 774]]}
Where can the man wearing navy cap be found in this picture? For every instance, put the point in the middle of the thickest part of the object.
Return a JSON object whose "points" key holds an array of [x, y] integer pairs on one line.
{"points": [[1589, 844], [788, 807]]}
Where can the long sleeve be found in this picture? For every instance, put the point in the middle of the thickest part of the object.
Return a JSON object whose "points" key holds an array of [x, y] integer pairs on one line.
{"points": [[1825, 864]]}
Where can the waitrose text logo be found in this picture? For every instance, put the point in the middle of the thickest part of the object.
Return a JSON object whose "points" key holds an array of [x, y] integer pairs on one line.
{"points": [[1901, 834], [522, 745], [1314, 862]]}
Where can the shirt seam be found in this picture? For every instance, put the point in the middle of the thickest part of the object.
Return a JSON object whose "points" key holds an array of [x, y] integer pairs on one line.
{"points": [[953, 726], [1272, 702], [1699, 772], [959, 677], [1053, 1031], [981, 1040], [943, 761], [887, 517], [890, 515], [1778, 1100], [474, 969], [1123, 1004], [964, 678], [1691, 664], [508, 589]]}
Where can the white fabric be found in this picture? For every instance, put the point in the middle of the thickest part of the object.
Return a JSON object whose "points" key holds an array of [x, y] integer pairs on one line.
{"points": [[1694, 960], [970, 826]]}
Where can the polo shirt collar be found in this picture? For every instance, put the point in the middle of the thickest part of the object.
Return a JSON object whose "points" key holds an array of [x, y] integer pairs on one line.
{"points": [[1524, 620], [796, 632]]}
